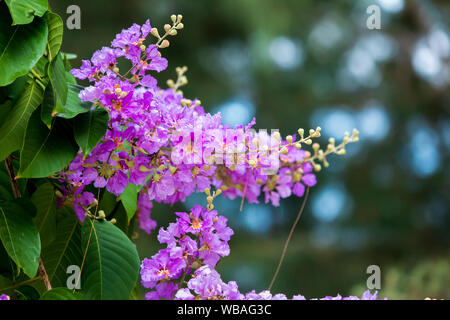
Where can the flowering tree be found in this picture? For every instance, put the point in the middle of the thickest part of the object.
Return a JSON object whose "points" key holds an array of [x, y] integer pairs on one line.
{"points": [[83, 165]]}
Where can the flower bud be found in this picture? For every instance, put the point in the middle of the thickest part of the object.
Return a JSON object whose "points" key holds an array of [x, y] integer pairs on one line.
{"points": [[164, 44], [101, 215], [155, 33], [289, 139]]}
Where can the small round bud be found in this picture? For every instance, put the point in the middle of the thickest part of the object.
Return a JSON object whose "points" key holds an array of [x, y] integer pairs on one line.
{"points": [[173, 18], [289, 139], [301, 132], [298, 145], [167, 27], [173, 32], [155, 33], [170, 83], [113, 221], [308, 141], [164, 44], [101, 215], [180, 26], [317, 167], [316, 147], [284, 150], [179, 17], [207, 191]]}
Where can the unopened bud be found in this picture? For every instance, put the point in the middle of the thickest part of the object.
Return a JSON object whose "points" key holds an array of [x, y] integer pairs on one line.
{"points": [[155, 32], [101, 215], [289, 139], [301, 132], [164, 44]]}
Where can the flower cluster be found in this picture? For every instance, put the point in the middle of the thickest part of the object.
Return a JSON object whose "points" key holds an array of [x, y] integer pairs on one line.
{"points": [[169, 146], [198, 238], [184, 270]]}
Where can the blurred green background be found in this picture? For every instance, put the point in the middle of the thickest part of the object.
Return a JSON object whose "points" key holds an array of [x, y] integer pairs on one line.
{"points": [[294, 64]]}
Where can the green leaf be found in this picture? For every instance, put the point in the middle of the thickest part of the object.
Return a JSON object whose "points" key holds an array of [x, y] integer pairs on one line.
{"points": [[19, 235], [46, 151], [74, 106], [23, 11], [55, 34], [48, 105], [27, 293], [20, 47], [89, 128], [12, 131], [13, 91], [65, 250], [61, 294], [57, 75], [44, 200], [129, 199], [112, 262]]}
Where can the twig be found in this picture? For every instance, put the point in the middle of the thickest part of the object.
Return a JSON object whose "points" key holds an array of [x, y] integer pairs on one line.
{"points": [[10, 169], [44, 275], [289, 239]]}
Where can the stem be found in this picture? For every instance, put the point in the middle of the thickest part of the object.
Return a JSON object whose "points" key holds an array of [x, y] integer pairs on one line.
{"points": [[289, 239], [44, 275], [10, 169], [17, 194]]}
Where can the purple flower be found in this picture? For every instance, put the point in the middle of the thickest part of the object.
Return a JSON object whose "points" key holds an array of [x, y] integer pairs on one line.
{"points": [[162, 266], [4, 297], [164, 291]]}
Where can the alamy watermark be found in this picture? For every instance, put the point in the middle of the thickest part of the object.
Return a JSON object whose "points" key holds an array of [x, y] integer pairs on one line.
{"points": [[374, 19], [73, 21], [374, 280], [73, 281]]}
